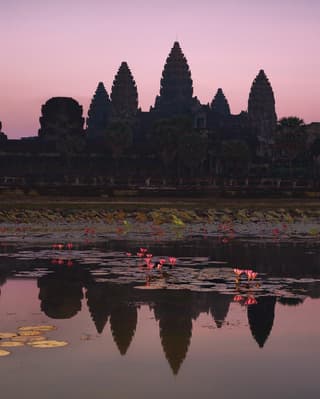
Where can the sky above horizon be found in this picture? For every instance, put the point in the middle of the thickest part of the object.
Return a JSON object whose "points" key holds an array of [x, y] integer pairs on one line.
{"points": [[64, 48]]}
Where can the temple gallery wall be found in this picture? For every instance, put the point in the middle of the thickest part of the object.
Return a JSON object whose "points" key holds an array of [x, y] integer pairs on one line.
{"points": [[179, 140]]}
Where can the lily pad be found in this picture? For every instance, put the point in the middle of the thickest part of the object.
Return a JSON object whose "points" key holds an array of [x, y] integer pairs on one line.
{"points": [[47, 344], [30, 333], [10, 344], [37, 328], [4, 353], [5, 335]]}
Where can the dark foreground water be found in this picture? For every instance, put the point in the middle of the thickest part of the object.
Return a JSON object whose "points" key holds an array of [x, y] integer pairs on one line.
{"points": [[178, 332]]}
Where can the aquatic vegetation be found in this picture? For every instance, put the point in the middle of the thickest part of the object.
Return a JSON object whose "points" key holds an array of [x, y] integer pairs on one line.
{"points": [[30, 335], [5, 335], [251, 275], [37, 328], [247, 300], [172, 260], [10, 344], [47, 344]]}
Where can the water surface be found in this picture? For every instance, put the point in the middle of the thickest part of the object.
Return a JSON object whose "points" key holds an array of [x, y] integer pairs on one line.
{"points": [[177, 332]]}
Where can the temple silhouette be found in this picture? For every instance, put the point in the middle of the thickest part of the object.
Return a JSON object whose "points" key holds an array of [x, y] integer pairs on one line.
{"points": [[178, 141]]}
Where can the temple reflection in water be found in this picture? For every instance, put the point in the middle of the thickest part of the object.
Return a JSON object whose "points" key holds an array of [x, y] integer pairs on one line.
{"points": [[62, 291]]}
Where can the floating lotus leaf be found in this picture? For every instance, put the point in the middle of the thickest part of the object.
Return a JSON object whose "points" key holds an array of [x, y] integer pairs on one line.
{"points": [[47, 344], [20, 339], [4, 353], [37, 328], [30, 333], [7, 335], [36, 338], [10, 344]]}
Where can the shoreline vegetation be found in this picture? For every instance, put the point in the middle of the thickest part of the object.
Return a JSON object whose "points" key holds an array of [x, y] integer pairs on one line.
{"points": [[49, 219]]}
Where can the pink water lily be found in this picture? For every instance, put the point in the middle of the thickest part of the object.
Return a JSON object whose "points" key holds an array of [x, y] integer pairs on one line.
{"points": [[251, 274], [172, 260], [238, 298], [147, 260], [238, 272], [251, 300]]}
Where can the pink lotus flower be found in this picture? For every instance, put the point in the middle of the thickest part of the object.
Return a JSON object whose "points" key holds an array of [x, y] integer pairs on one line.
{"points": [[172, 260], [251, 300], [69, 245], [162, 261], [238, 298], [147, 260], [140, 254], [238, 272], [251, 274], [276, 232], [159, 266], [128, 253], [149, 256], [143, 250], [60, 246]]}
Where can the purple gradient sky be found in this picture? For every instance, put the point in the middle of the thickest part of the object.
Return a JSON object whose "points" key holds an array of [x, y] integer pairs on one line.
{"points": [[64, 48]]}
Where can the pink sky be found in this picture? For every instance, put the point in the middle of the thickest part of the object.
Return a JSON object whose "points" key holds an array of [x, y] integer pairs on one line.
{"points": [[64, 48]]}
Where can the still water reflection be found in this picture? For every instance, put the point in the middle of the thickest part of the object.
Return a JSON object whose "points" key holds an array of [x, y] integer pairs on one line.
{"points": [[129, 340]]}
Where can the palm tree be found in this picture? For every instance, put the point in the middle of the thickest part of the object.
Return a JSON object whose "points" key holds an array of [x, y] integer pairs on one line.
{"points": [[290, 139]]}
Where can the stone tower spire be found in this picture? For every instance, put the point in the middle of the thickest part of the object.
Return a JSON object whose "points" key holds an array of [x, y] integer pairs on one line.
{"points": [[176, 88], [220, 104], [99, 112], [124, 94], [261, 111]]}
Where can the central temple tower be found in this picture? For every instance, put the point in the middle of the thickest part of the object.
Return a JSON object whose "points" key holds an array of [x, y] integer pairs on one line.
{"points": [[176, 88]]}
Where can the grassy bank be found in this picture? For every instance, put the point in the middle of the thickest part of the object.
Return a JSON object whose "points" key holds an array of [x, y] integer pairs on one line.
{"points": [[131, 204]]}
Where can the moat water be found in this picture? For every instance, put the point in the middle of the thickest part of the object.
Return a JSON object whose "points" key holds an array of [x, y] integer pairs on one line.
{"points": [[174, 332]]}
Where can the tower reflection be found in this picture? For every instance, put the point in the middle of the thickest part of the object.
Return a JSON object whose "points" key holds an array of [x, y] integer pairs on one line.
{"points": [[116, 302], [60, 292], [175, 311], [261, 318]]}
